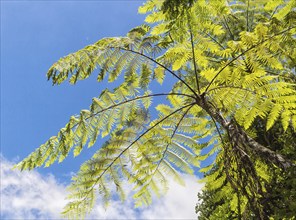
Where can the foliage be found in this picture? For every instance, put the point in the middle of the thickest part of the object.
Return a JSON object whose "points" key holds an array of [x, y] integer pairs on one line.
{"points": [[231, 62], [279, 201]]}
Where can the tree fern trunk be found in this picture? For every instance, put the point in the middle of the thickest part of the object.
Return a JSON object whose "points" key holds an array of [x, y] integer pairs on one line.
{"points": [[240, 137]]}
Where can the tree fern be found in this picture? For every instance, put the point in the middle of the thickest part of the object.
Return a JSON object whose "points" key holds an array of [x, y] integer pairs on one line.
{"points": [[231, 63]]}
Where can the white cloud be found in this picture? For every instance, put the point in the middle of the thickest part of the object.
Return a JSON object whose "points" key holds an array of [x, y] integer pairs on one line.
{"points": [[178, 203], [29, 195]]}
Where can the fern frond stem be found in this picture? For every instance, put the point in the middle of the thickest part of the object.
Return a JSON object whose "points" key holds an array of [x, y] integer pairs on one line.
{"points": [[213, 39], [239, 216], [228, 28], [193, 57], [170, 36], [243, 53], [167, 69], [131, 100], [272, 14], [137, 98], [275, 74], [247, 18], [214, 61], [127, 101], [218, 130], [227, 166], [231, 87], [167, 146], [245, 163], [131, 144], [234, 186]]}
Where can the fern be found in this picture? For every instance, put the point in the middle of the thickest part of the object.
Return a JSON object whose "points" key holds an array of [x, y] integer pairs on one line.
{"points": [[229, 65]]}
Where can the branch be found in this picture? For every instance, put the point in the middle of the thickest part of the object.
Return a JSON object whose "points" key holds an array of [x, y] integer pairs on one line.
{"points": [[272, 14], [193, 53], [129, 146], [267, 153], [239, 136], [217, 128], [244, 52], [136, 98], [194, 64], [264, 152], [167, 69], [247, 25], [167, 146], [227, 27], [62, 132], [213, 39], [131, 100], [230, 87]]}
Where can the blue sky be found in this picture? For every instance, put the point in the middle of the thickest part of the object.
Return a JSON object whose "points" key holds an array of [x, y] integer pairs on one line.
{"points": [[35, 34]]}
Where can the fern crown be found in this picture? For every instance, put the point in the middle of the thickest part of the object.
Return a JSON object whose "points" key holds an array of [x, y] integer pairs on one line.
{"points": [[231, 63]]}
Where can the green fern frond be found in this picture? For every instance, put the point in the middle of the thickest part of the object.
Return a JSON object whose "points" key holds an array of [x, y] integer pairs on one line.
{"points": [[231, 64]]}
